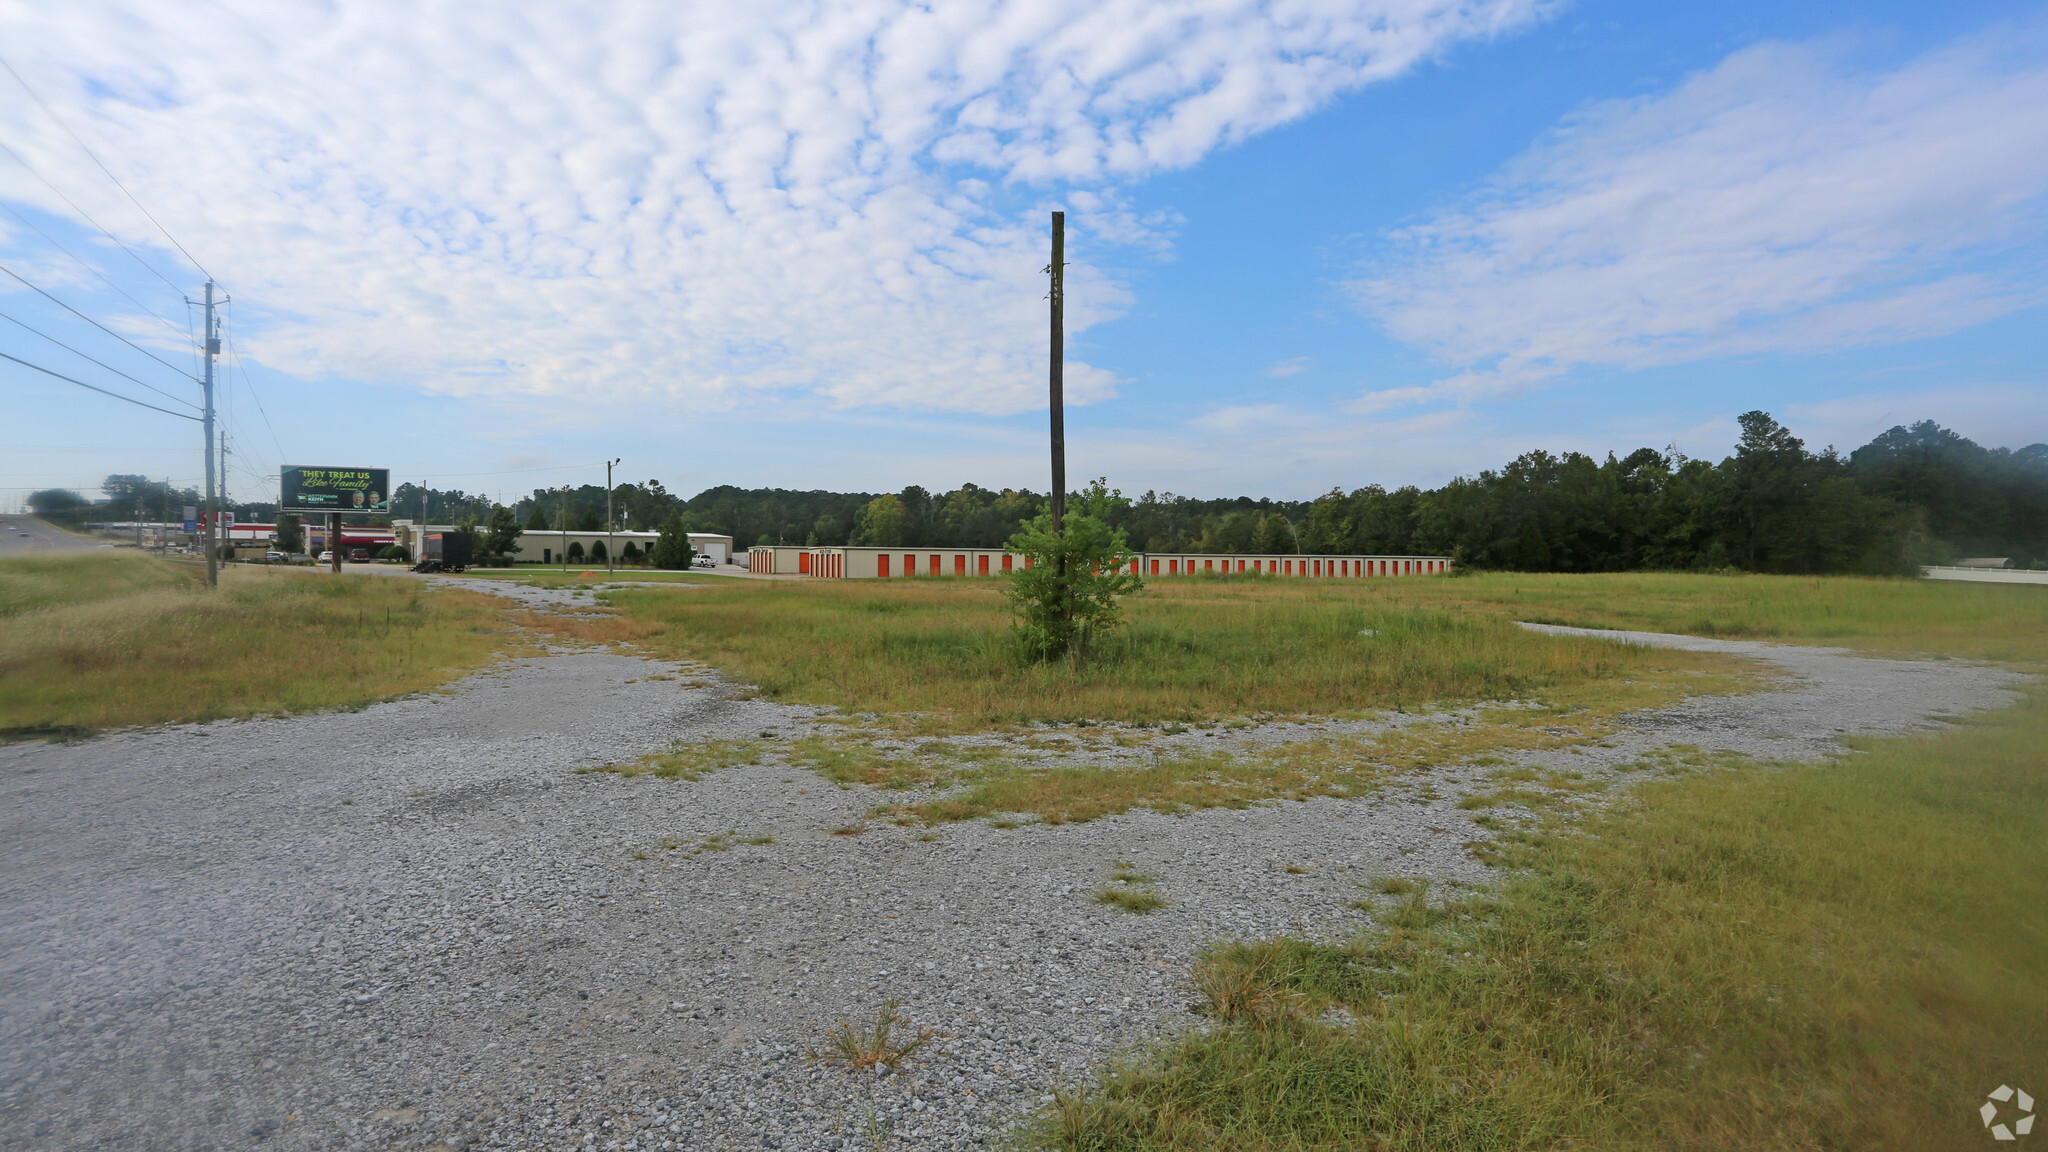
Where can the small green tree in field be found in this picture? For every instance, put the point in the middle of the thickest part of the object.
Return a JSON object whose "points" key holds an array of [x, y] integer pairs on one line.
{"points": [[575, 551], [1068, 590], [290, 537], [630, 554], [501, 536], [671, 548]]}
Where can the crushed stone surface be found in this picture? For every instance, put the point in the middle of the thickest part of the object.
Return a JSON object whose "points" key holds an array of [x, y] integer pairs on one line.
{"points": [[417, 927]]}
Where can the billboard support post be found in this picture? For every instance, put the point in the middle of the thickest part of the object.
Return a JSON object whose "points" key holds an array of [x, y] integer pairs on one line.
{"points": [[334, 542]]}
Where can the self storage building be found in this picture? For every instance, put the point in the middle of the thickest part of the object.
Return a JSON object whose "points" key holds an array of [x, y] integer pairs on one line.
{"points": [[861, 562]]}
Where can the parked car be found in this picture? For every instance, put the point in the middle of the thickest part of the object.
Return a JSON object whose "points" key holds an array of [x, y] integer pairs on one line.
{"points": [[327, 558], [273, 556], [705, 562], [358, 555]]}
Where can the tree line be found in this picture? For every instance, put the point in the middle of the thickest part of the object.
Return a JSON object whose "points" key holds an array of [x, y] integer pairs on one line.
{"points": [[1913, 495]]}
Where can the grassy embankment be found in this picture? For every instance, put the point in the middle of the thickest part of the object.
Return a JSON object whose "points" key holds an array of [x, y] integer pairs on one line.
{"points": [[117, 638]]}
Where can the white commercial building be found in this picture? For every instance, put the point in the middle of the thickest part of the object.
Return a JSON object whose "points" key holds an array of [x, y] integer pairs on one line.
{"points": [[547, 545]]}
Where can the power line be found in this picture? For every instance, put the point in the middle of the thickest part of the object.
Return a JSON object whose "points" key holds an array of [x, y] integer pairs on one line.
{"points": [[93, 322], [513, 472], [30, 224], [96, 388], [146, 265], [103, 364], [96, 160], [235, 359]]}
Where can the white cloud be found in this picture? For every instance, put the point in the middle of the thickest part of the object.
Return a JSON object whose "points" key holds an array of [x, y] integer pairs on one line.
{"points": [[1293, 366], [1779, 203], [694, 200]]}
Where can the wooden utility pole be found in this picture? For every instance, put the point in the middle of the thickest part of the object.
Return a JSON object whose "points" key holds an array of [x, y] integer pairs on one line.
{"points": [[1058, 268], [608, 521], [210, 347]]}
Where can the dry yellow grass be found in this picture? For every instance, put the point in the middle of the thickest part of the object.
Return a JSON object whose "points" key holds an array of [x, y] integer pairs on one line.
{"points": [[111, 639]]}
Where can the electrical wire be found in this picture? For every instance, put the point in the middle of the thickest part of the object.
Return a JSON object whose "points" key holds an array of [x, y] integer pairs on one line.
{"points": [[97, 388], [235, 362], [30, 224], [96, 160], [95, 323], [146, 265], [101, 363], [512, 472]]}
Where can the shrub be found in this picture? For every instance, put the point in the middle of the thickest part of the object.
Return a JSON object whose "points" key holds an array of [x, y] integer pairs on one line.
{"points": [[1069, 587], [672, 549]]}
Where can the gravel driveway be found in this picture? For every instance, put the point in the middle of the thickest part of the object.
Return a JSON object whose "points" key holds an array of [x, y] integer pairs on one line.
{"points": [[415, 927]]}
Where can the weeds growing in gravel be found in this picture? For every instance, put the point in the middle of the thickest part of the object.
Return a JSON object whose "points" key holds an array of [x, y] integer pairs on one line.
{"points": [[686, 761], [878, 1042], [1335, 766], [1130, 898]]}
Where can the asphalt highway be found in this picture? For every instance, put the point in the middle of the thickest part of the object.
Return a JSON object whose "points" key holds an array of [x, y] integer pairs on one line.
{"points": [[23, 535]]}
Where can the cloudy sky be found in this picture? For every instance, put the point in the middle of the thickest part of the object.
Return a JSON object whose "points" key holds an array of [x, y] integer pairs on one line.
{"points": [[800, 245]]}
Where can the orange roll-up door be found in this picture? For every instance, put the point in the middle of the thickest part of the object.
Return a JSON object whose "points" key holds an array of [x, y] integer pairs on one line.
{"points": [[803, 563], [982, 563]]}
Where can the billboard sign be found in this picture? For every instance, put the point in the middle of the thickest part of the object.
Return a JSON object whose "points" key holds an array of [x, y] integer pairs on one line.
{"points": [[309, 489]]}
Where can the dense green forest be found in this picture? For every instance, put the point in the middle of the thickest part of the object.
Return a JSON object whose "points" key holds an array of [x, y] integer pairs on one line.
{"points": [[1915, 495]]}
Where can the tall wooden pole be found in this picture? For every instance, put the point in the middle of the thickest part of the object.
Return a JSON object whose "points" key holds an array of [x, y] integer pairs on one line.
{"points": [[1059, 354], [208, 348]]}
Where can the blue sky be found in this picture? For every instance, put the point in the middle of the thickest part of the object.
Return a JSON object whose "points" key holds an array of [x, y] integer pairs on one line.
{"points": [[1314, 245]]}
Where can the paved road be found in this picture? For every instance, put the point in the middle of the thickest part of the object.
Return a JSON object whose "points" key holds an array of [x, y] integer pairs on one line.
{"points": [[21, 535]]}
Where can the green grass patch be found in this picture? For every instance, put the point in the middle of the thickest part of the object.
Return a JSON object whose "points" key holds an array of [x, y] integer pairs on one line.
{"points": [[1130, 898], [685, 761], [1842, 955], [115, 638], [1877, 614]]}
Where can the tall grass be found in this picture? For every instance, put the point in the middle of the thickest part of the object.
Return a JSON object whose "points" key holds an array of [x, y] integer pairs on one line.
{"points": [[1827, 956], [111, 639], [1193, 649]]}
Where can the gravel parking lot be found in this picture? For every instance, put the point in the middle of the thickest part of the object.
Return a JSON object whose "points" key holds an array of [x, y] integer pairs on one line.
{"points": [[416, 927]]}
